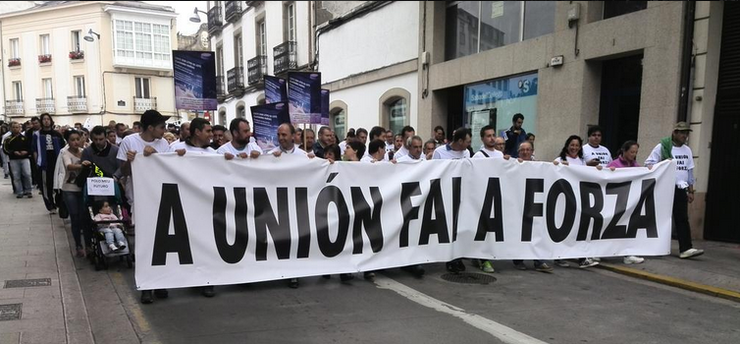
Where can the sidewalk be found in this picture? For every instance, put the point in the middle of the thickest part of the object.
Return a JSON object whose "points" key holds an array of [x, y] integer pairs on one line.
{"points": [[40, 296], [715, 273]]}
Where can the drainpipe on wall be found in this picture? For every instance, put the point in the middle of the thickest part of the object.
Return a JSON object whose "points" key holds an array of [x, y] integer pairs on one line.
{"points": [[2, 54], [686, 60]]}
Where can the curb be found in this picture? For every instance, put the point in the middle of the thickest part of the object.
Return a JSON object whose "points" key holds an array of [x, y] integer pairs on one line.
{"points": [[674, 282]]}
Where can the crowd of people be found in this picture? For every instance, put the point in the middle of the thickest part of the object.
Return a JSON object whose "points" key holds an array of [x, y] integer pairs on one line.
{"points": [[38, 154]]}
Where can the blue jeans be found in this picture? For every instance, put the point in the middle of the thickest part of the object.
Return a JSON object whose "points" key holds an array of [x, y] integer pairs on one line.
{"points": [[21, 169], [111, 233], [77, 215]]}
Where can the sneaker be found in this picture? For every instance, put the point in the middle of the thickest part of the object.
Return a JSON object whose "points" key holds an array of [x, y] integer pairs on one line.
{"points": [[633, 260], [52, 212], [596, 259], [146, 297], [346, 277], [543, 268], [161, 293], [692, 252], [80, 252], [486, 266], [562, 263], [370, 276], [19, 196], [29, 195], [112, 247], [121, 245], [452, 267], [587, 263], [520, 266], [293, 284], [415, 270], [208, 291]]}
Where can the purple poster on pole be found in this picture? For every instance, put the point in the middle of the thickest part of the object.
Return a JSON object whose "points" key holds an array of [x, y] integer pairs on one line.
{"points": [[276, 89], [195, 80], [265, 122], [304, 97], [325, 106]]}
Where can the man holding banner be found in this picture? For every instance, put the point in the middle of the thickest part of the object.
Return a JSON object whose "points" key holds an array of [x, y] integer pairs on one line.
{"points": [[240, 144]]}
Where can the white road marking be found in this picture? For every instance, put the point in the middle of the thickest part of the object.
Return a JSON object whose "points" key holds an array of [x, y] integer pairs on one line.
{"points": [[501, 332]]}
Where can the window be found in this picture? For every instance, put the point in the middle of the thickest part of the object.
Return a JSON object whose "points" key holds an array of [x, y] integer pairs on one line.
{"points": [[144, 41], [618, 8], [142, 87], [261, 39], [475, 26], [46, 92], [240, 112], [76, 40], [338, 123], [44, 40], [397, 115], [80, 86], [14, 48], [238, 53], [17, 91], [289, 22], [220, 60]]}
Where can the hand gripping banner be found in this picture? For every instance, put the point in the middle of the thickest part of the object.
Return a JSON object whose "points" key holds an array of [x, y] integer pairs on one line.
{"points": [[202, 220]]}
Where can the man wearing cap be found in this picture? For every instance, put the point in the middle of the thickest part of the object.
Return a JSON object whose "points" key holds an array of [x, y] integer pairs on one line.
{"points": [[148, 141], [674, 147]]}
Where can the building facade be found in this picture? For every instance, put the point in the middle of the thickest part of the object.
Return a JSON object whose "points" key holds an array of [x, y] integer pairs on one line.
{"points": [[91, 62]]}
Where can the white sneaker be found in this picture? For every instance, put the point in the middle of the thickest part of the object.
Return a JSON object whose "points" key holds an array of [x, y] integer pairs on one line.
{"points": [[596, 259], [112, 247], [692, 252], [633, 260]]}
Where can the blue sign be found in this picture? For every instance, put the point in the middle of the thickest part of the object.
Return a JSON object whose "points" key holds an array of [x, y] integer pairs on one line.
{"points": [[195, 80], [265, 122], [276, 90], [325, 107], [304, 97]]}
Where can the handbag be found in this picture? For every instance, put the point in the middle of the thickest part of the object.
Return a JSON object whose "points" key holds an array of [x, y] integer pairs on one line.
{"points": [[61, 206]]}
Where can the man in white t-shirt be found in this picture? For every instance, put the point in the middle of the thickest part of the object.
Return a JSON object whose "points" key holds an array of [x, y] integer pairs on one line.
{"points": [[593, 152], [199, 140], [458, 149], [148, 142], [240, 145], [414, 145], [407, 132], [286, 132], [376, 151], [675, 148], [389, 141], [488, 150]]}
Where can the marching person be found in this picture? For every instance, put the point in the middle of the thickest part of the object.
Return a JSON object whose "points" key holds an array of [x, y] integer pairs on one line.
{"points": [[240, 144], [626, 158], [515, 135], [17, 148], [47, 144], [675, 147], [593, 152]]}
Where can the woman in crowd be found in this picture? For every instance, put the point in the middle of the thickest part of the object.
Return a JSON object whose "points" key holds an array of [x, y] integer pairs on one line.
{"points": [[72, 193], [628, 158], [46, 145]]}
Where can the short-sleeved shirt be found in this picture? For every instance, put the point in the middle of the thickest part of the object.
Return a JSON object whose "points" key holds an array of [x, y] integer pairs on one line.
{"points": [[229, 148], [408, 157], [446, 152], [494, 154], [601, 153], [573, 161], [69, 176], [684, 159], [192, 149], [134, 142], [294, 151]]}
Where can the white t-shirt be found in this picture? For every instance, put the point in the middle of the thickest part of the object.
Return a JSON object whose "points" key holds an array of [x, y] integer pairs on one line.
{"points": [[408, 157], [229, 148], [118, 140], [342, 146], [446, 152], [134, 142], [192, 149], [389, 147], [367, 154], [294, 151], [601, 153], [493, 154], [573, 161], [684, 159], [401, 153]]}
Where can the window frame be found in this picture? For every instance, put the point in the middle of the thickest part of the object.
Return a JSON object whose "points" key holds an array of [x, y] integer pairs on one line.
{"points": [[18, 90], [261, 41], [79, 86], [47, 88], [140, 90], [75, 36], [15, 47], [45, 44]]}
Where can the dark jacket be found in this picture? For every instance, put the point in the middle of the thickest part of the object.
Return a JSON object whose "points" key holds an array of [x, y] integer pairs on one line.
{"points": [[105, 159], [513, 140], [18, 143]]}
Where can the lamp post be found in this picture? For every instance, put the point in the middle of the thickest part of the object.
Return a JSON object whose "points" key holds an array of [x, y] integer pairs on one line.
{"points": [[90, 37], [196, 17]]}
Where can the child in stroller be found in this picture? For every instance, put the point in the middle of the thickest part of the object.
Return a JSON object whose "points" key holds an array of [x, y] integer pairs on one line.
{"points": [[111, 230]]}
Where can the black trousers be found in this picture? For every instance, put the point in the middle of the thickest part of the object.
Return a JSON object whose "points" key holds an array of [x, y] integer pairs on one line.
{"points": [[681, 219]]}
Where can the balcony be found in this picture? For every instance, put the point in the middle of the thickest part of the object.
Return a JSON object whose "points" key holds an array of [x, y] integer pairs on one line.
{"points": [[14, 62], [256, 69], [235, 79], [233, 11], [45, 59], [143, 104], [45, 105], [220, 87], [214, 20], [76, 55], [285, 57], [77, 104], [14, 107]]}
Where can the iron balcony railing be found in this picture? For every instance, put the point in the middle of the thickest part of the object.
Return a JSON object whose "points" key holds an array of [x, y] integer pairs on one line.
{"points": [[45, 105], [14, 107], [214, 20], [235, 79], [77, 103], [233, 11], [143, 104], [220, 89], [285, 57], [256, 69]]}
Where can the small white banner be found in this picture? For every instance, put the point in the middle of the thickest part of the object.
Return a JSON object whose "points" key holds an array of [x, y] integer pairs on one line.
{"points": [[202, 220], [101, 186]]}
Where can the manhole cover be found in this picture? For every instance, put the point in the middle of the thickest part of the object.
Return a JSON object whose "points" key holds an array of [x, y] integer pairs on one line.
{"points": [[469, 278], [10, 312], [26, 283]]}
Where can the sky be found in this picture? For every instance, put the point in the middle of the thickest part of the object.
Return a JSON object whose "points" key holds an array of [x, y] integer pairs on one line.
{"points": [[184, 9]]}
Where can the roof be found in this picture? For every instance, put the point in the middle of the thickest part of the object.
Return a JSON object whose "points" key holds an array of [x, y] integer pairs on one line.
{"points": [[42, 6]]}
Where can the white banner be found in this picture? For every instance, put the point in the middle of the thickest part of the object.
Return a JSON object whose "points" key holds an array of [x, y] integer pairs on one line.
{"points": [[202, 220]]}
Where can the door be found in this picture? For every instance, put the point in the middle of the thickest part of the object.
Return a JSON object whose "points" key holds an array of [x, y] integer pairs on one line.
{"points": [[619, 109], [722, 206]]}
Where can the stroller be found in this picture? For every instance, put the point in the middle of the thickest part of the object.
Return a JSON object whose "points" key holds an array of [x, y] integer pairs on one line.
{"points": [[105, 190]]}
